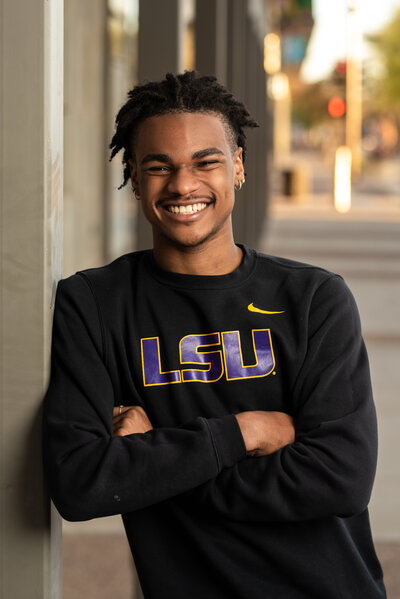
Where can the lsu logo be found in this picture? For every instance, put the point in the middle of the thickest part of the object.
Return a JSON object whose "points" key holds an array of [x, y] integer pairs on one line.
{"points": [[195, 350]]}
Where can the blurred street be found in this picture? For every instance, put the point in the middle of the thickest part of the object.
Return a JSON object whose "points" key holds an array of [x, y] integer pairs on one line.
{"points": [[375, 193]]}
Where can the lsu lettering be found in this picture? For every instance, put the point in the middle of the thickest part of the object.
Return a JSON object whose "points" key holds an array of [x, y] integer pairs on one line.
{"points": [[195, 350]]}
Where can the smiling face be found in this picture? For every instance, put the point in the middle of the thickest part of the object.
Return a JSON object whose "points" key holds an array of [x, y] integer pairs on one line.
{"points": [[185, 170]]}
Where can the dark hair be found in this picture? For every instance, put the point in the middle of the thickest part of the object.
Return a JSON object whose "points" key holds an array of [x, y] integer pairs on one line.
{"points": [[187, 92]]}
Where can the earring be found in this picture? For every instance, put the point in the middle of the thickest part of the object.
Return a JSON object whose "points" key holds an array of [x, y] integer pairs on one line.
{"points": [[135, 194], [240, 185]]}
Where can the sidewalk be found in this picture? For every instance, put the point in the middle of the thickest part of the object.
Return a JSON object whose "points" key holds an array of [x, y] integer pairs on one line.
{"points": [[375, 193], [100, 566]]}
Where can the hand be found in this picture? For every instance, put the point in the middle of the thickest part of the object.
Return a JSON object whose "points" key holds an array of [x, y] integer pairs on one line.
{"points": [[265, 432], [131, 420]]}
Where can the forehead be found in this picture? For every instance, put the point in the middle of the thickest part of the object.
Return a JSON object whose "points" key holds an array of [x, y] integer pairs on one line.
{"points": [[180, 132]]}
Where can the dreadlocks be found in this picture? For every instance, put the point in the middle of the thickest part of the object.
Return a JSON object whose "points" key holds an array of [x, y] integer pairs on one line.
{"points": [[188, 92]]}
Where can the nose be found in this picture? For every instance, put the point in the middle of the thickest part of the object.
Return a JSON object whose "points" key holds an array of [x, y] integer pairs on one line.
{"points": [[182, 182]]}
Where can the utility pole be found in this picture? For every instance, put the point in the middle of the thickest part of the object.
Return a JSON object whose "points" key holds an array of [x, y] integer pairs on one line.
{"points": [[354, 86]]}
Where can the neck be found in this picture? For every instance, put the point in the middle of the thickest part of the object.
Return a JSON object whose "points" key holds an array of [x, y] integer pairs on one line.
{"points": [[207, 259]]}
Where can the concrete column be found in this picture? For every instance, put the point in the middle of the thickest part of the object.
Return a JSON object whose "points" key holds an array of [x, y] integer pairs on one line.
{"points": [[31, 83], [257, 167], [85, 144], [246, 80], [160, 38], [211, 38], [161, 29], [229, 45]]}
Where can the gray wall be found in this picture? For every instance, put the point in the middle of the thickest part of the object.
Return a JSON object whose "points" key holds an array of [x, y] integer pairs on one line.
{"points": [[31, 83]]}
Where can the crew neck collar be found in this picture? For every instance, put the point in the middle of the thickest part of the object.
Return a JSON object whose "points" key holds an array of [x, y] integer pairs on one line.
{"points": [[232, 279]]}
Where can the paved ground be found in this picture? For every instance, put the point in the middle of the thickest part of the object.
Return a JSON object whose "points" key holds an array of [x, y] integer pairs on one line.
{"points": [[97, 567], [100, 567]]}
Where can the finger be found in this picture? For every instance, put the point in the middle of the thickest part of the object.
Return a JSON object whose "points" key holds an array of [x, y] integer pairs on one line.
{"points": [[118, 418], [126, 412], [118, 432], [118, 410], [117, 424]]}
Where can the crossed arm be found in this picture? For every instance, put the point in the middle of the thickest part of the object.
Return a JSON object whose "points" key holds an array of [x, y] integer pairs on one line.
{"points": [[95, 469], [263, 432]]}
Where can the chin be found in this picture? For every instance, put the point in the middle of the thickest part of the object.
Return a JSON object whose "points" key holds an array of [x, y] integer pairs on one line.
{"points": [[195, 239], [192, 242]]}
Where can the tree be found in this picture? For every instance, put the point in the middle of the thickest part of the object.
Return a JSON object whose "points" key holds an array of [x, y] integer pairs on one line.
{"points": [[386, 85]]}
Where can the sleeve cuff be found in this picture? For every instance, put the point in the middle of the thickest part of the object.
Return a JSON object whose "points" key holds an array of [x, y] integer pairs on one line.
{"points": [[228, 441]]}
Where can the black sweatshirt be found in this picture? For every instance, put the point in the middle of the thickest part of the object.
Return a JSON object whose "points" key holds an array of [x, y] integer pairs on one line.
{"points": [[204, 520]]}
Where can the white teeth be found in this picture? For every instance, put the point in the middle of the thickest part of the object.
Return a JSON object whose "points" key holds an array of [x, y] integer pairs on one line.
{"points": [[189, 209]]}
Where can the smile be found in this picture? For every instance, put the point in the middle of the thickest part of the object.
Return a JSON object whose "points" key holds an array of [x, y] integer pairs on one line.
{"points": [[187, 209]]}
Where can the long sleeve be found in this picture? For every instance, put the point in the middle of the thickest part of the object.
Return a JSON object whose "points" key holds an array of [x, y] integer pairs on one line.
{"points": [[329, 469], [90, 473]]}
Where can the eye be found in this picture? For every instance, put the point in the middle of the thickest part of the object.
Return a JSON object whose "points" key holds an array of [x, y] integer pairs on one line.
{"points": [[208, 164], [158, 170]]}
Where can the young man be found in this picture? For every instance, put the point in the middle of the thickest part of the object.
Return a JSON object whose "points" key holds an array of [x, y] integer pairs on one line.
{"points": [[217, 398]]}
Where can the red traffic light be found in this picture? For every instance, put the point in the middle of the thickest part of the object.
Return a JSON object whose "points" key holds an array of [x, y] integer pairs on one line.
{"points": [[341, 67], [336, 107]]}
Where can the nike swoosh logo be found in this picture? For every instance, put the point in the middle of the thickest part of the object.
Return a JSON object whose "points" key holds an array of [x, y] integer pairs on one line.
{"points": [[254, 309]]}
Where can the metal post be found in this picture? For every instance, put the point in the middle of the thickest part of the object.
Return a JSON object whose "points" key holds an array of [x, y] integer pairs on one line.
{"points": [[354, 87], [31, 83]]}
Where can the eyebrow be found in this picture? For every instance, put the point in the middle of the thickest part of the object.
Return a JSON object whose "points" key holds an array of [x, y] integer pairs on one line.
{"points": [[167, 159], [156, 158], [206, 152]]}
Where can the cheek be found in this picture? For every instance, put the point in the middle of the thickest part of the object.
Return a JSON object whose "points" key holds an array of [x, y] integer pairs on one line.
{"points": [[222, 182], [151, 188]]}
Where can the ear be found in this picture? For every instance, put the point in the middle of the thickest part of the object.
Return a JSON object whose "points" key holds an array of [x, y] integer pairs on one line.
{"points": [[238, 165], [134, 179]]}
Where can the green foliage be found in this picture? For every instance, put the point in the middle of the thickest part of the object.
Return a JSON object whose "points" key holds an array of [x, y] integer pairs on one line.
{"points": [[292, 9], [386, 86], [310, 105]]}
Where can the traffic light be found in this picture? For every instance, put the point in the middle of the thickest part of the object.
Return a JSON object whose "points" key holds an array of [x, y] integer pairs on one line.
{"points": [[336, 107]]}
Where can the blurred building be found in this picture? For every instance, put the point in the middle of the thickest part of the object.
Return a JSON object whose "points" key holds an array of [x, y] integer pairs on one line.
{"points": [[293, 21], [289, 27]]}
